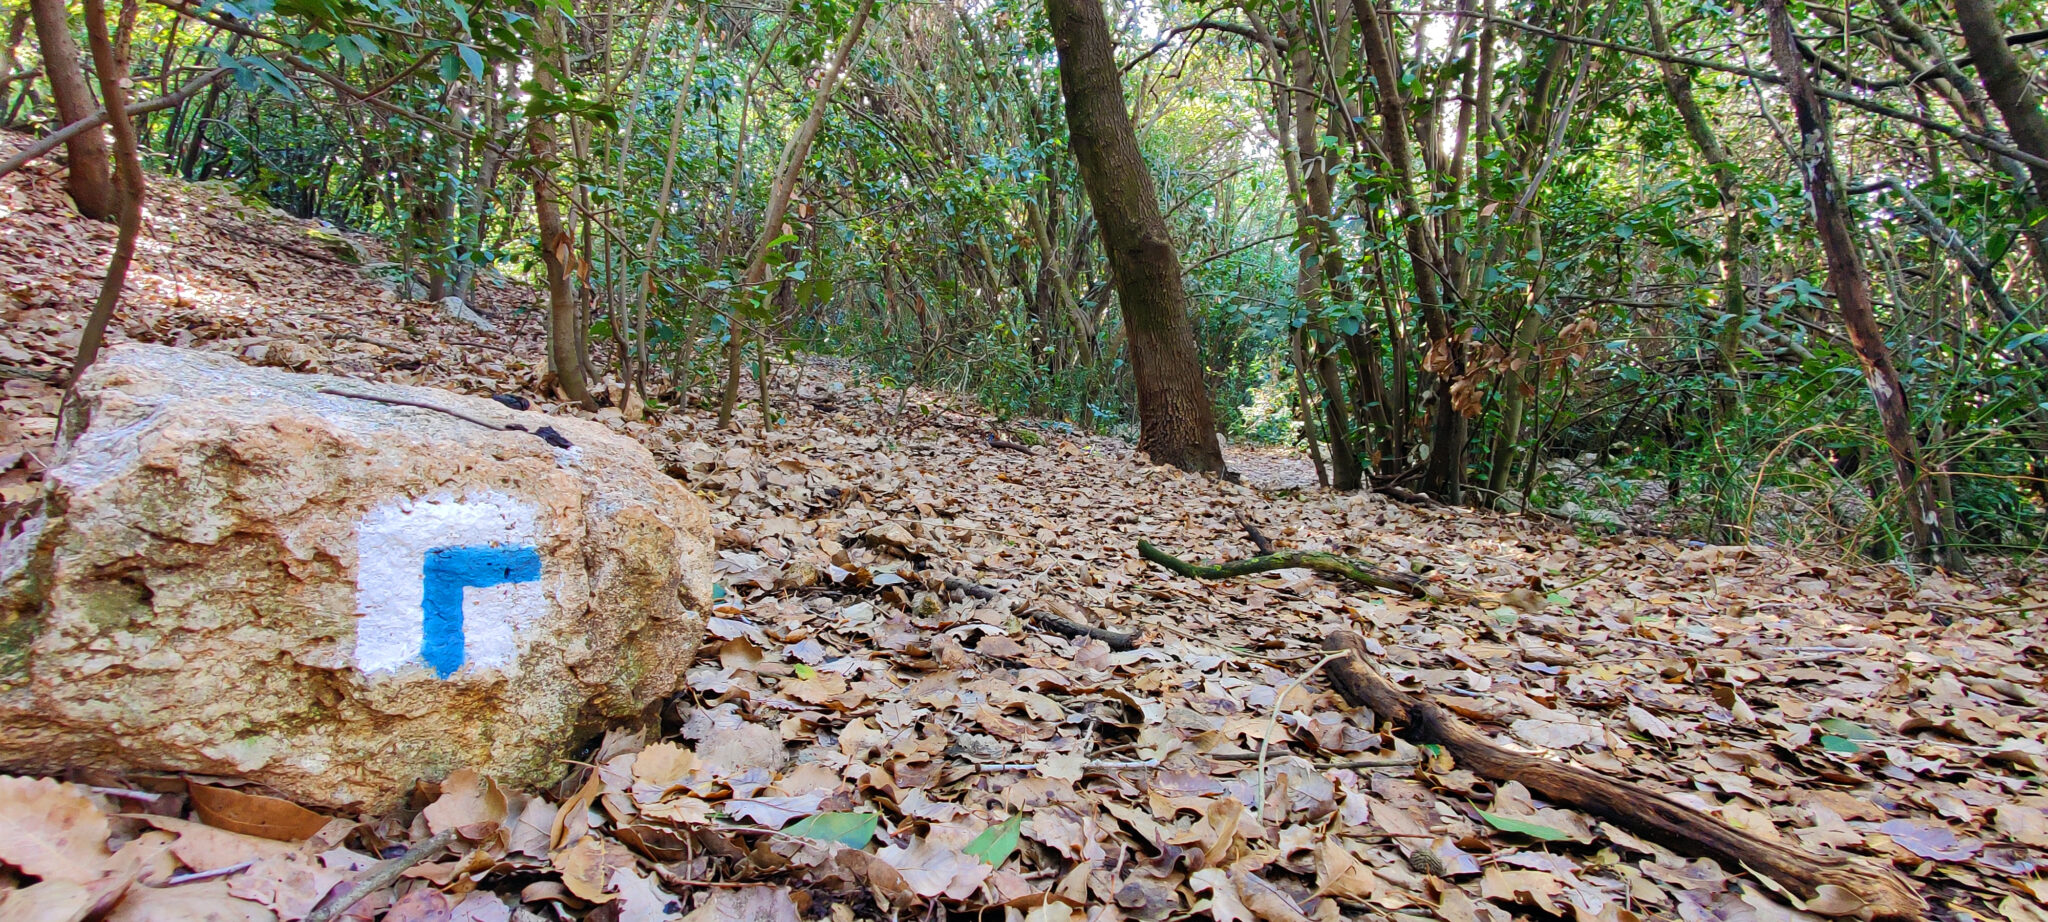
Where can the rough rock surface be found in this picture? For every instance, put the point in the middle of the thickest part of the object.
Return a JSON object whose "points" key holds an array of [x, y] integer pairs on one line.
{"points": [[235, 573], [454, 308]]}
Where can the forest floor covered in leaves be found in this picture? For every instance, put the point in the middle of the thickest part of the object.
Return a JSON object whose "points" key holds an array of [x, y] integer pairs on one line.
{"points": [[858, 739]]}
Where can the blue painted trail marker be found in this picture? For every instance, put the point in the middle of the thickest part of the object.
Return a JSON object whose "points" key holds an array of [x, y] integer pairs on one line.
{"points": [[447, 571]]}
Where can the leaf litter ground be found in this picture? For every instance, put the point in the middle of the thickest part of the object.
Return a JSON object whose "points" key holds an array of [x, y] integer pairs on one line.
{"points": [[857, 740]]}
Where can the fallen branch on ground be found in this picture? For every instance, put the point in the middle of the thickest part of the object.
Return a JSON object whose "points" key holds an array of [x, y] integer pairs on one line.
{"points": [[1054, 623], [1003, 443], [1340, 763], [1828, 884], [1065, 628], [1410, 497], [1357, 571]]}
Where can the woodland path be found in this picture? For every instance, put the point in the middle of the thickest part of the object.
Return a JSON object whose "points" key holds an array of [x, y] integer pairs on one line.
{"points": [[1823, 704]]}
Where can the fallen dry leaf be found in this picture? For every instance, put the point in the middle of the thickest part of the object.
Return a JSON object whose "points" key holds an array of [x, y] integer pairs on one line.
{"points": [[587, 866], [935, 870], [51, 830], [253, 814], [746, 904], [470, 804], [200, 901], [204, 848]]}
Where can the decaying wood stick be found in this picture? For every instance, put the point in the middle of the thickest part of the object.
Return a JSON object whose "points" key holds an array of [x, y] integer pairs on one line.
{"points": [[1258, 538], [1830, 885], [1052, 622], [1066, 628], [1357, 571], [381, 875]]}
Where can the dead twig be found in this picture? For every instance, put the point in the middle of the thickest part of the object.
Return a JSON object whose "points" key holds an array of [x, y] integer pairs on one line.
{"points": [[545, 433], [1345, 763], [1007, 445], [1258, 538], [1093, 765], [197, 876], [1273, 721], [380, 876], [1054, 623], [1357, 571], [1066, 628]]}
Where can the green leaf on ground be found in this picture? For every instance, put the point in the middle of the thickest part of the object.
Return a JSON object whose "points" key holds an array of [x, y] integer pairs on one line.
{"points": [[996, 843], [1525, 827], [853, 830], [1846, 729]]}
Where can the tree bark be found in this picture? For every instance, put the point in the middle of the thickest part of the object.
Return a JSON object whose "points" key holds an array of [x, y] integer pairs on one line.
{"points": [[1734, 309], [556, 246], [1176, 419], [2008, 85], [1445, 471], [1850, 281], [1302, 394], [110, 62], [89, 177], [793, 157]]}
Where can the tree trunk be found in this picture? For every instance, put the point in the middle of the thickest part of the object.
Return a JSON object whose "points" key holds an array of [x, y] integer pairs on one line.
{"points": [[793, 157], [1445, 471], [110, 62], [1346, 473], [10, 60], [1176, 420], [1734, 310], [2008, 85], [1851, 284], [1308, 419], [89, 178], [556, 246]]}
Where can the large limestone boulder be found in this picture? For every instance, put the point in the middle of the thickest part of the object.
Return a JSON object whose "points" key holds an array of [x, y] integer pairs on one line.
{"points": [[238, 574]]}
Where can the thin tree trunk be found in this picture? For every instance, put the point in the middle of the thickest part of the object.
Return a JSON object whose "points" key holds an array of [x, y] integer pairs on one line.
{"points": [[2008, 84], [557, 248], [1445, 471], [1176, 420], [645, 286], [1678, 85], [110, 62], [10, 55], [1345, 471], [1734, 309], [1308, 182], [1850, 281], [486, 184], [793, 157], [1308, 419], [88, 177]]}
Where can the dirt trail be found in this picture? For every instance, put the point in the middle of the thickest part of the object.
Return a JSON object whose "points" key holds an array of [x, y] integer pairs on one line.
{"points": [[1825, 705]]}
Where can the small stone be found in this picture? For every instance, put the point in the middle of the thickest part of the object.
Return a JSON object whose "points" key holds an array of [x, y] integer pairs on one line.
{"points": [[454, 308], [890, 535]]}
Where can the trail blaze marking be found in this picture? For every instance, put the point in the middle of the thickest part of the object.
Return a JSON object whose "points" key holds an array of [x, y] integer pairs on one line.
{"points": [[451, 583], [444, 574]]}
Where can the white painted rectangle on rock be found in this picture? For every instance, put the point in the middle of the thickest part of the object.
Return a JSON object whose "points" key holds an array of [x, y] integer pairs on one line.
{"points": [[446, 583]]}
